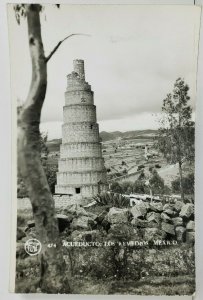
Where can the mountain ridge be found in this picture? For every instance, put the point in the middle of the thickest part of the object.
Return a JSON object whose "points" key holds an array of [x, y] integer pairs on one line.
{"points": [[54, 144]]}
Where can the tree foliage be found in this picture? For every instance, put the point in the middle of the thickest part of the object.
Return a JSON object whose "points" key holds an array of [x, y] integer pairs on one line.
{"points": [[156, 183], [140, 186], [176, 133], [188, 184]]}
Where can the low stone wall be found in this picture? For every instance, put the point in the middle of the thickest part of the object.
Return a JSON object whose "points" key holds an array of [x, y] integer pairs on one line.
{"points": [[60, 202]]}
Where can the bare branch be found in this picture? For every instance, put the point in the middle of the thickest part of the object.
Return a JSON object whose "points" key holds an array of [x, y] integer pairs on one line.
{"points": [[59, 43]]}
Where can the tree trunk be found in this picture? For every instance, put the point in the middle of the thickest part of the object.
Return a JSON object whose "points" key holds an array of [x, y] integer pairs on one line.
{"points": [[181, 180], [53, 268]]}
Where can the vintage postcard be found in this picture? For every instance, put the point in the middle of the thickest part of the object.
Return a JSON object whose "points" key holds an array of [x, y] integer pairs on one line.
{"points": [[103, 148]]}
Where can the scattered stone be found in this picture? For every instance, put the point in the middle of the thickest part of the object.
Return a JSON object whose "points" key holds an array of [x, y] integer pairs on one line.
{"points": [[190, 237], [180, 233], [187, 210], [86, 236], [137, 234], [178, 221], [30, 223], [139, 210], [77, 210], [145, 204], [167, 206], [101, 217], [153, 217], [166, 218], [151, 234], [106, 225], [156, 206], [169, 212], [80, 211], [30, 233], [20, 234], [153, 224], [168, 228], [64, 221], [178, 205], [81, 222], [121, 232], [190, 226], [92, 216], [117, 215], [140, 223]]}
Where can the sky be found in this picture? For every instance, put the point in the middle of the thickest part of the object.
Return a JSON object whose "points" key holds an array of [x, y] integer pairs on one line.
{"points": [[132, 58]]}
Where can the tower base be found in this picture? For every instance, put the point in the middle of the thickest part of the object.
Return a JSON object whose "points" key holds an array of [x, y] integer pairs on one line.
{"points": [[83, 190]]}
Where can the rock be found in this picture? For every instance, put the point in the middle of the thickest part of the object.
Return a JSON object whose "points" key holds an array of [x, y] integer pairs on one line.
{"points": [[139, 210], [77, 210], [178, 221], [153, 217], [64, 221], [101, 216], [106, 225], [153, 224], [145, 204], [166, 218], [121, 232], [190, 237], [178, 205], [30, 223], [180, 233], [20, 234], [140, 223], [86, 236], [82, 222], [80, 211], [30, 233], [117, 215], [137, 235], [92, 216], [168, 228], [156, 206], [187, 210], [169, 212], [190, 226], [167, 206], [151, 234]]}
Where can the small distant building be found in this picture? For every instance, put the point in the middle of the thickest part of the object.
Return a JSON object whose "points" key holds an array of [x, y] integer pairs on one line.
{"points": [[81, 166]]}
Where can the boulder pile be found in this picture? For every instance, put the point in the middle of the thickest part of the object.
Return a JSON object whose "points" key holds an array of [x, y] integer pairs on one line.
{"points": [[146, 221]]}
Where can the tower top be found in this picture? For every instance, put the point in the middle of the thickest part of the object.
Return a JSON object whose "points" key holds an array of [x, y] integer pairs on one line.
{"points": [[78, 66]]}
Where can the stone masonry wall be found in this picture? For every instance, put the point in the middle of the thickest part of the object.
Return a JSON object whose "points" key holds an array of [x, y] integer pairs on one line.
{"points": [[81, 167]]}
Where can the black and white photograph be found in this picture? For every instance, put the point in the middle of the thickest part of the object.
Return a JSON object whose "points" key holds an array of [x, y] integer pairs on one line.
{"points": [[103, 137]]}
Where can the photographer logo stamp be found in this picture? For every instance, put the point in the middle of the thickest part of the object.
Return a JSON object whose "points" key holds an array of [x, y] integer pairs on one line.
{"points": [[33, 247]]}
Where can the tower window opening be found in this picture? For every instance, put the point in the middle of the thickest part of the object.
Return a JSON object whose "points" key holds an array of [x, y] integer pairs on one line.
{"points": [[77, 190], [91, 126]]}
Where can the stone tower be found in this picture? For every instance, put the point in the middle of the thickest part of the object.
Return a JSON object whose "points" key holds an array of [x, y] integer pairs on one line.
{"points": [[81, 166]]}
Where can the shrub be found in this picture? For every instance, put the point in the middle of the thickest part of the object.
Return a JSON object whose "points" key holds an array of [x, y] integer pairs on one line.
{"points": [[156, 183], [112, 199], [116, 187], [188, 184]]}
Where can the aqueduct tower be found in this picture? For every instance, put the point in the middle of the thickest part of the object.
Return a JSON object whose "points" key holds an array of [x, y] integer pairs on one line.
{"points": [[81, 166]]}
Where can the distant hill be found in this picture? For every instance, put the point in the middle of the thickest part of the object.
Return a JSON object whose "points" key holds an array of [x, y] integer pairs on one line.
{"points": [[107, 136], [54, 145]]}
